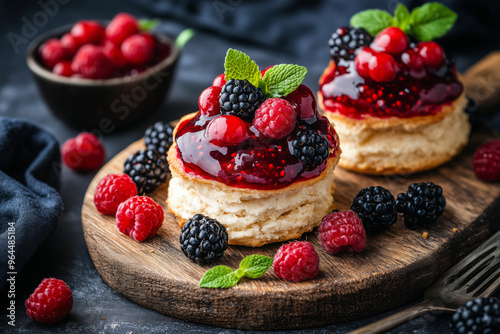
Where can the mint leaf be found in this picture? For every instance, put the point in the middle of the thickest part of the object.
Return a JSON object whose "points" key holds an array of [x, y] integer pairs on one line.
{"points": [[283, 79], [254, 266], [219, 277], [148, 25], [183, 38], [431, 20], [239, 66], [401, 16], [372, 20]]}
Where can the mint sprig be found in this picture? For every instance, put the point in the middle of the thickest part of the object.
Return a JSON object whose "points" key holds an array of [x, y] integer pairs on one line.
{"points": [[278, 81], [427, 22], [253, 266], [148, 25]]}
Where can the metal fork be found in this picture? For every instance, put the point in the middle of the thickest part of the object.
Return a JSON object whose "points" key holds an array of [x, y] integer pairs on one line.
{"points": [[477, 275]]}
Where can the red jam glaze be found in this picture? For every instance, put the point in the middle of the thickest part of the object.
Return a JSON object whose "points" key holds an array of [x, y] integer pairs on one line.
{"points": [[256, 162], [408, 95]]}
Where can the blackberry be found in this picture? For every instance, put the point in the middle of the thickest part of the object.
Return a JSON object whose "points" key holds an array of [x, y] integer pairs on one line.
{"points": [[158, 137], [309, 147], [203, 239], [376, 207], [345, 41], [240, 98], [147, 169], [478, 316], [421, 204]]}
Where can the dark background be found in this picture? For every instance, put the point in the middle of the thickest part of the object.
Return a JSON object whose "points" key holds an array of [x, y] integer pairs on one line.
{"points": [[270, 32]]}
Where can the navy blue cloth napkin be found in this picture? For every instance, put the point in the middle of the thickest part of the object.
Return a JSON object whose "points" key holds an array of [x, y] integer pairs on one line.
{"points": [[30, 205]]}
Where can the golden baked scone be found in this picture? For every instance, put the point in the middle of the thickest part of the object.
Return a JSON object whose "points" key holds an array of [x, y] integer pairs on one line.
{"points": [[258, 160]]}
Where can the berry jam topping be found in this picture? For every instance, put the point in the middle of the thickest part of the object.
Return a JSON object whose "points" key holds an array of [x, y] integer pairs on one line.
{"points": [[391, 76]]}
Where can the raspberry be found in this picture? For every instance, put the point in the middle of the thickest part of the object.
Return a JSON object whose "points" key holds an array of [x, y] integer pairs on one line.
{"points": [[382, 67], [486, 161], [139, 217], [375, 207], [88, 32], [70, 43], [226, 130], [148, 170], [432, 53], [111, 191], [309, 147], [342, 231], [52, 52], [391, 40], [275, 118], [51, 301], [63, 68], [477, 316], [91, 62], [362, 60], [304, 101], [138, 49], [219, 80], [122, 26], [421, 205], [114, 55], [240, 98], [84, 152], [296, 261], [345, 41], [203, 239], [208, 101]]}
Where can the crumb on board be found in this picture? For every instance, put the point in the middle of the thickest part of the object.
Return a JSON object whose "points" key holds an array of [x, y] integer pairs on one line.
{"points": [[455, 229], [152, 251], [425, 235]]}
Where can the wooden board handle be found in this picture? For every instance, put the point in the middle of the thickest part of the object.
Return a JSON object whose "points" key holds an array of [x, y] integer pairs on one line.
{"points": [[482, 83]]}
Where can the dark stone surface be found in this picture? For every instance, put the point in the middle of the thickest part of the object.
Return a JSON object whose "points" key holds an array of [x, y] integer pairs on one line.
{"points": [[97, 308]]}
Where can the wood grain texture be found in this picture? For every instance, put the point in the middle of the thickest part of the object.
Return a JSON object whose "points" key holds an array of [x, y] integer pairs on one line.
{"points": [[395, 268]]}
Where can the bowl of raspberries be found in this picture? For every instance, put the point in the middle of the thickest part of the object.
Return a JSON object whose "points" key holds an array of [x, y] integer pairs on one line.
{"points": [[97, 75]]}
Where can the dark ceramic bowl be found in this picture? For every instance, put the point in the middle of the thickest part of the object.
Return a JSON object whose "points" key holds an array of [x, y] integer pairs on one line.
{"points": [[103, 104]]}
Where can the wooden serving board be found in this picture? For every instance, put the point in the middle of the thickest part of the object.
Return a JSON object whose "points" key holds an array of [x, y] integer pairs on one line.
{"points": [[395, 267]]}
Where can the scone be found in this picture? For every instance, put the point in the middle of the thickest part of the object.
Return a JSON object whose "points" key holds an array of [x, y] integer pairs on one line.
{"points": [[259, 160], [398, 107]]}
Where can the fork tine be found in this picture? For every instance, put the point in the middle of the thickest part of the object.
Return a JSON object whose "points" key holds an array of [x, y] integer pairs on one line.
{"points": [[489, 287], [470, 266]]}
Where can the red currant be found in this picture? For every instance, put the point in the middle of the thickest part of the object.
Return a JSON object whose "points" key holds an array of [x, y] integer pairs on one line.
{"points": [[382, 67], [414, 62], [432, 53], [227, 130], [303, 101], [219, 80], [391, 40], [209, 101], [361, 61]]}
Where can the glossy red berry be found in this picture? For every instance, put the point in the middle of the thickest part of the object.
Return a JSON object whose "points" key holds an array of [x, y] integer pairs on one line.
{"points": [[486, 161], [275, 118], [84, 152], [432, 53], [304, 102], [391, 40], [382, 67], [63, 68], [361, 61], [208, 101], [122, 26], [296, 261], [227, 130], [91, 63], [51, 301], [52, 52], [414, 62], [88, 32], [70, 43], [342, 231], [138, 49], [219, 80], [114, 55], [265, 70]]}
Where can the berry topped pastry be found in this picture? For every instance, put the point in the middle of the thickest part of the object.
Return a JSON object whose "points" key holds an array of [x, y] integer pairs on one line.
{"points": [[394, 97], [257, 156]]}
